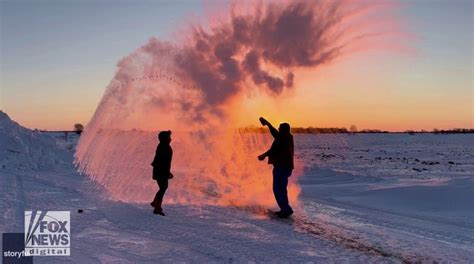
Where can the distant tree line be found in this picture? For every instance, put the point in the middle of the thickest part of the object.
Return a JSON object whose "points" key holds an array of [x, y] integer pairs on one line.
{"points": [[443, 131], [454, 131], [312, 130], [352, 130]]}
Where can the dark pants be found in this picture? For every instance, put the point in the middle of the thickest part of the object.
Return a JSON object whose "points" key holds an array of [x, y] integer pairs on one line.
{"points": [[280, 184], [163, 185]]}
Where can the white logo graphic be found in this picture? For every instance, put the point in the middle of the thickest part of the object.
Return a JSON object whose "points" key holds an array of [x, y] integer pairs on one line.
{"points": [[47, 233]]}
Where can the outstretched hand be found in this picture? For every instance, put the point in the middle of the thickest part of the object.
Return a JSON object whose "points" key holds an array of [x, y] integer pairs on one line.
{"points": [[263, 121]]}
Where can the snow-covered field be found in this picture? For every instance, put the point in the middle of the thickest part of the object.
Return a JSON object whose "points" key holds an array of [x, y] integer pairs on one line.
{"points": [[365, 198]]}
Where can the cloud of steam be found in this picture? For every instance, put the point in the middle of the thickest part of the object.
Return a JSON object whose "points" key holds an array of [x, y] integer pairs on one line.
{"points": [[193, 87]]}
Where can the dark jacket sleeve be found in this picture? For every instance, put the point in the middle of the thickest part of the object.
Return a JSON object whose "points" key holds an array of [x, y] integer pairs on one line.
{"points": [[272, 149], [273, 131], [155, 159], [292, 148], [166, 160], [162, 160]]}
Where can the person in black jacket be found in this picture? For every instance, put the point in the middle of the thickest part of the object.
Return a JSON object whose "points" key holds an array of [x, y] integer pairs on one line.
{"points": [[162, 169], [280, 155]]}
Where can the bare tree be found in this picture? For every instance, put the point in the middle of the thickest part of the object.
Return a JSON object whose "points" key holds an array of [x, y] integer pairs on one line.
{"points": [[78, 128], [353, 129]]}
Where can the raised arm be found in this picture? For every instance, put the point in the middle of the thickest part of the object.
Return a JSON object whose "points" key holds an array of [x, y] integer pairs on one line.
{"points": [[273, 130]]}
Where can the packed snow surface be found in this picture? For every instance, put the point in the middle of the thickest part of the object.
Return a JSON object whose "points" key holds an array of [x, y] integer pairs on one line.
{"points": [[365, 198]]}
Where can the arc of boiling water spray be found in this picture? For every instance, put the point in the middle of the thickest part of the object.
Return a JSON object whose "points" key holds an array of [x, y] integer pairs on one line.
{"points": [[161, 75], [156, 75]]}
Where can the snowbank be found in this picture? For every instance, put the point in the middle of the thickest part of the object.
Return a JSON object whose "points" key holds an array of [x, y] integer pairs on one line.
{"points": [[24, 149]]}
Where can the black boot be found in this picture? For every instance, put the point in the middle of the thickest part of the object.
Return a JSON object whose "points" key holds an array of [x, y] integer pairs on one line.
{"points": [[156, 203], [158, 211], [283, 214]]}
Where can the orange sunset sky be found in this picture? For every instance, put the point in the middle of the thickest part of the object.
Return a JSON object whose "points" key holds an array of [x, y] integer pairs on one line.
{"points": [[57, 59]]}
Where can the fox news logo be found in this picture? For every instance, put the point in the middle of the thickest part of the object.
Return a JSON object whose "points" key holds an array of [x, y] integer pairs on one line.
{"points": [[47, 233]]}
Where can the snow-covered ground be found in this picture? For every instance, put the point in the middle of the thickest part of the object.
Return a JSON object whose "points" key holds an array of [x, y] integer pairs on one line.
{"points": [[411, 196], [365, 198]]}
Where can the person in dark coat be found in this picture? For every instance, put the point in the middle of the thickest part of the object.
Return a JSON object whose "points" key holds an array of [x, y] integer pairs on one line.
{"points": [[280, 155], [162, 169]]}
